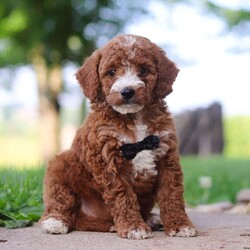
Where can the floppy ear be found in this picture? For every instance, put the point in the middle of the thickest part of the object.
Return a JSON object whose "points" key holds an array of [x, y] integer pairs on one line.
{"points": [[88, 78], [167, 73]]}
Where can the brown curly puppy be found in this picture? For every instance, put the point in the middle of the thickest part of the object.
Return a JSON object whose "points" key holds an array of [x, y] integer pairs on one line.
{"points": [[125, 156]]}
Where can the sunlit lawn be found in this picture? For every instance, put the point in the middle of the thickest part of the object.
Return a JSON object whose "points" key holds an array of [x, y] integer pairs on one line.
{"points": [[237, 136], [19, 150]]}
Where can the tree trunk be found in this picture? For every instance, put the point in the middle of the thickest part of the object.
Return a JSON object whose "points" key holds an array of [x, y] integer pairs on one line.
{"points": [[200, 131], [49, 85]]}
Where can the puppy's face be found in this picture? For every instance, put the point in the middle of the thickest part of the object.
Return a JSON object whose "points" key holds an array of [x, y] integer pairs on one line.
{"points": [[128, 73]]}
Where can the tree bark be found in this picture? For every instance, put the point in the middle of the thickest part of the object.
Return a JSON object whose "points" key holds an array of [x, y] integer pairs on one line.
{"points": [[49, 85], [200, 131]]}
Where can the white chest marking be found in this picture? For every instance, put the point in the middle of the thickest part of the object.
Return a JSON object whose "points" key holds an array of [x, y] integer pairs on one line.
{"points": [[144, 162]]}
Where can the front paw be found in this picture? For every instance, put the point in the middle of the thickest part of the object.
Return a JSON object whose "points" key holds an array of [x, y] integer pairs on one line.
{"points": [[54, 226], [136, 232], [183, 232]]}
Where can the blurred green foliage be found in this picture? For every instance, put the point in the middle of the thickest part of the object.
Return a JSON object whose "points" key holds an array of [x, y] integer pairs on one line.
{"points": [[69, 29], [233, 17], [59, 30]]}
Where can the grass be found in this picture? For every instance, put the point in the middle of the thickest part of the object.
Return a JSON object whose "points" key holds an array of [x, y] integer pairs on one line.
{"points": [[228, 176], [21, 190], [20, 196]]}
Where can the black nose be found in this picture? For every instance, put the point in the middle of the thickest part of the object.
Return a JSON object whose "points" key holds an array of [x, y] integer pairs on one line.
{"points": [[127, 93]]}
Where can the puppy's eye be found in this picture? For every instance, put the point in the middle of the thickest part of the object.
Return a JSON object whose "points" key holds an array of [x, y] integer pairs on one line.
{"points": [[143, 71], [111, 72]]}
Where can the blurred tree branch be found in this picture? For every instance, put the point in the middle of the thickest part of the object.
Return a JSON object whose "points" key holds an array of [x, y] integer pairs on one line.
{"points": [[236, 19], [232, 17], [237, 22]]}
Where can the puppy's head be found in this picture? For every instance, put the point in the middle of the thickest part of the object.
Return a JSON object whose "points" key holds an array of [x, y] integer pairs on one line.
{"points": [[128, 73]]}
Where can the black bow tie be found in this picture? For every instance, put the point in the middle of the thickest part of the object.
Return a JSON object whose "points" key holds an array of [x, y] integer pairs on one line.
{"points": [[130, 150]]}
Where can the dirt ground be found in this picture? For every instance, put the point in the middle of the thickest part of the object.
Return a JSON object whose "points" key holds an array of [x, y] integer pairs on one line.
{"points": [[216, 231]]}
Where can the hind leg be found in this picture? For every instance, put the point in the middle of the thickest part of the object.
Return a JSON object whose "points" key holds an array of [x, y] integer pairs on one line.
{"points": [[154, 222], [86, 223], [92, 214]]}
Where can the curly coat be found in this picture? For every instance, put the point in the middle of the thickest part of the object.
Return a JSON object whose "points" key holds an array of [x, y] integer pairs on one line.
{"points": [[91, 186]]}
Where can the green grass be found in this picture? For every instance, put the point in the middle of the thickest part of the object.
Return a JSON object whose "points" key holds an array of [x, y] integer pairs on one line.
{"points": [[20, 196], [21, 190], [228, 175]]}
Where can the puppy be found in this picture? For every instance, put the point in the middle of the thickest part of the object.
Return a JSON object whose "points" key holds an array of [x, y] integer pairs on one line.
{"points": [[125, 157]]}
